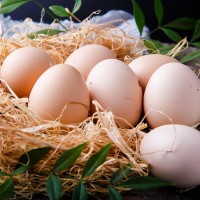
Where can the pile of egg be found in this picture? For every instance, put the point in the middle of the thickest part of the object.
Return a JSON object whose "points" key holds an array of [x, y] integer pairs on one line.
{"points": [[157, 86]]}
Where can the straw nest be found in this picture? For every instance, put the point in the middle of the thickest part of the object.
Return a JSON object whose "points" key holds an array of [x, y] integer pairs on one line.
{"points": [[21, 130]]}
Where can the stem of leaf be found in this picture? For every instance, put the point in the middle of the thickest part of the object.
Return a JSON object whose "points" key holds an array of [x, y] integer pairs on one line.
{"points": [[50, 14]]}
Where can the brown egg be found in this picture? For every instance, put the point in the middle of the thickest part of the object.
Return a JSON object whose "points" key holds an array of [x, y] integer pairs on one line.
{"points": [[145, 66], [60, 94], [173, 91], [23, 67], [86, 57], [115, 86]]}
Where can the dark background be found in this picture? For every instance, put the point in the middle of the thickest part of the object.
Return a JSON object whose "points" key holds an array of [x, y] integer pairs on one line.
{"points": [[172, 9]]}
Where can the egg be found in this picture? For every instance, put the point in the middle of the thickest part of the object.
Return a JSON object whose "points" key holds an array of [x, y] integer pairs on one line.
{"points": [[172, 152], [173, 95], [145, 66], [87, 56], [22, 67], [60, 94], [115, 86]]}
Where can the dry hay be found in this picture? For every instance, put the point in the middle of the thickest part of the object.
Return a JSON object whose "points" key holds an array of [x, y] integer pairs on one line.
{"points": [[21, 130]]}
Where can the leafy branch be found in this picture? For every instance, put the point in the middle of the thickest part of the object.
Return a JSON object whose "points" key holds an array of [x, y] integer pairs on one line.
{"points": [[120, 179], [169, 29], [55, 11]]}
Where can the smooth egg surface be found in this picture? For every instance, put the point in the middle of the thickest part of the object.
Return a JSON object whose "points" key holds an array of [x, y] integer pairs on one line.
{"points": [[22, 67], [172, 152], [87, 56], [60, 94], [172, 95], [145, 66], [115, 86]]}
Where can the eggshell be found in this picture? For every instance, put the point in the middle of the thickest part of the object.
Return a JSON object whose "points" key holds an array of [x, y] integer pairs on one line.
{"points": [[115, 86], [174, 90], [86, 57], [172, 152], [145, 66], [60, 94], [23, 67]]}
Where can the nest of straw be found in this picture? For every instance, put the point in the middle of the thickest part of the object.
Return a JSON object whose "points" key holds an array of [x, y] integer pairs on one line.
{"points": [[21, 130]]}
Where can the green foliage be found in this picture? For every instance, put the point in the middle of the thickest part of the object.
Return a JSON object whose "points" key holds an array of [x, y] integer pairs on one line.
{"points": [[114, 194], [59, 11], [145, 182], [7, 189], [95, 161], [159, 11], [80, 192], [184, 24], [53, 187], [191, 56], [120, 174], [7, 6], [68, 158], [139, 16], [30, 159]]}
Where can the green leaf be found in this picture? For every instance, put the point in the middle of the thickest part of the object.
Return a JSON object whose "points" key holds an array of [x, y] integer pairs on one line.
{"points": [[159, 11], [30, 158], [114, 194], [165, 49], [49, 32], [77, 6], [4, 174], [174, 36], [7, 6], [196, 33], [191, 56], [139, 16], [152, 45], [7, 189], [196, 44], [80, 192], [53, 187], [68, 158], [95, 161], [120, 174], [183, 23], [59, 11], [145, 182]]}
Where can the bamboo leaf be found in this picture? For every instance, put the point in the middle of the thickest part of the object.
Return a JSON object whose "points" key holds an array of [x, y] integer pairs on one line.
{"points": [[49, 32], [7, 189], [196, 44], [68, 158], [183, 23], [7, 6], [120, 174], [30, 158], [152, 45], [95, 161], [77, 6], [53, 187], [80, 192], [159, 11], [59, 11], [196, 33], [114, 194], [165, 49], [139, 16], [191, 56], [145, 182], [4, 174], [174, 36]]}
